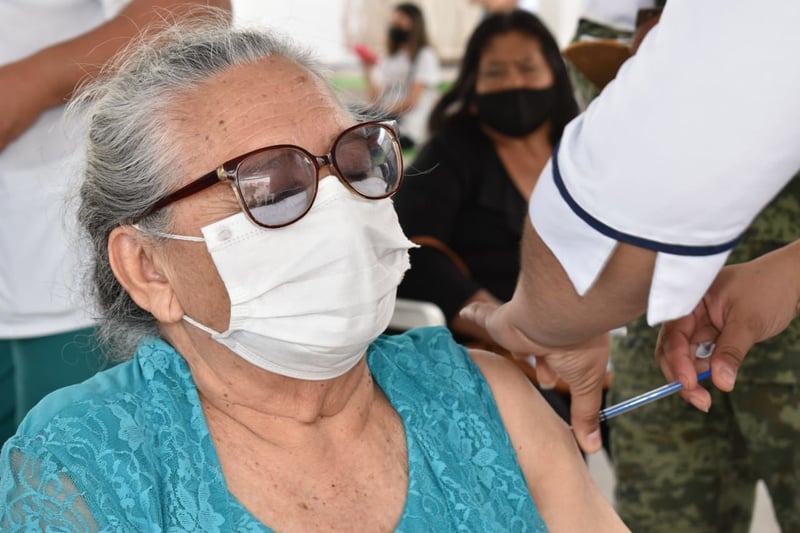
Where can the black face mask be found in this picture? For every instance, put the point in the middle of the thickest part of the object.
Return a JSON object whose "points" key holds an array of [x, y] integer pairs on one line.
{"points": [[398, 35], [516, 112]]}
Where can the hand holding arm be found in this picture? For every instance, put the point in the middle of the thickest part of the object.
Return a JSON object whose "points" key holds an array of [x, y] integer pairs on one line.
{"points": [[582, 366], [546, 317], [746, 304], [470, 328], [546, 309]]}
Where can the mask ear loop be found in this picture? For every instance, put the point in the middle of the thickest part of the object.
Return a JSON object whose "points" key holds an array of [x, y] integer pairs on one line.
{"points": [[200, 326], [190, 238], [174, 236]]}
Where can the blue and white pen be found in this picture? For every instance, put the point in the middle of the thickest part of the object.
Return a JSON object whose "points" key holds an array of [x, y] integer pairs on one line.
{"points": [[647, 397]]}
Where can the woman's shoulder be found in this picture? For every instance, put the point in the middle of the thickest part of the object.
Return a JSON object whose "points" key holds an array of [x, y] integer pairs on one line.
{"points": [[455, 434], [63, 407], [126, 434], [116, 409], [422, 358], [417, 339]]}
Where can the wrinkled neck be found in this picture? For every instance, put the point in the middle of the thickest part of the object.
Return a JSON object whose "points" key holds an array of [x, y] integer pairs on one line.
{"points": [[280, 410], [285, 412]]}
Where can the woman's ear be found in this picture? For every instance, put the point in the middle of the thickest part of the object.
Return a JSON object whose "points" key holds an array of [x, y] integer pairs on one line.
{"points": [[139, 269]]}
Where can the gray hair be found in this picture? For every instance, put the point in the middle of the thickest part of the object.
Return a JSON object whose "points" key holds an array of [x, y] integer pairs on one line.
{"points": [[131, 159]]}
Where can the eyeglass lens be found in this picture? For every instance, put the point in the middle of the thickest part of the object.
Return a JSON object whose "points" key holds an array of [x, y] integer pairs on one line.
{"points": [[278, 185]]}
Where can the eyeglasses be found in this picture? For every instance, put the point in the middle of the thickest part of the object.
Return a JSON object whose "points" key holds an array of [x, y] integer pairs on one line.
{"points": [[277, 185]]}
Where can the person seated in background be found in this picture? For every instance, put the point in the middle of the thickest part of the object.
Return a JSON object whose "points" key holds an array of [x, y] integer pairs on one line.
{"points": [[261, 394], [404, 84], [465, 197]]}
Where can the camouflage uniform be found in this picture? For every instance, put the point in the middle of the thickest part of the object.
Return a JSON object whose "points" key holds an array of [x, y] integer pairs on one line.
{"points": [[586, 91], [679, 469]]}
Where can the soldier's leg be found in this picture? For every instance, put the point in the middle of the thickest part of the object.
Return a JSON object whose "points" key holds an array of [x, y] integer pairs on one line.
{"points": [[738, 478], [769, 415], [677, 469]]}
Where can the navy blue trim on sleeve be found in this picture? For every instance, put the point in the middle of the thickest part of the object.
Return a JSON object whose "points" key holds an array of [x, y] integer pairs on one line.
{"points": [[675, 249]]}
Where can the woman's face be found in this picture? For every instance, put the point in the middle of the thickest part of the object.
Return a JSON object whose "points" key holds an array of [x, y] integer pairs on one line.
{"points": [[513, 60], [239, 110], [400, 20]]}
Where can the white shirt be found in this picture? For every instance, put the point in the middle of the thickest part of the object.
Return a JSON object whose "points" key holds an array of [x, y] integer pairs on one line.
{"points": [[681, 151], [40, 268], [396, 75]]}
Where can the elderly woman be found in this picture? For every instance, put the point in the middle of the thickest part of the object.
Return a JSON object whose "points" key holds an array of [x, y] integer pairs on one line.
{"points": [[257, 276]]}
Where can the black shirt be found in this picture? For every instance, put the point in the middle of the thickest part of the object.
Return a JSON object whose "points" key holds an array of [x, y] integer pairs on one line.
{"points": [[458, 192]]}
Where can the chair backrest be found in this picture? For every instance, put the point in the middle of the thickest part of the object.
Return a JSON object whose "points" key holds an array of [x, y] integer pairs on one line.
{"points": [[409, 314], [598, 59]]}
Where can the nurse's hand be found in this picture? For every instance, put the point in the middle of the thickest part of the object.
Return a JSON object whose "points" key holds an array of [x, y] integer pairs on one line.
{"points": [[582, 367], [746, 304]]}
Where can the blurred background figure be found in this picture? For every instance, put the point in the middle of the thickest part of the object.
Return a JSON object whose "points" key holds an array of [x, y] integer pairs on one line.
{"points": [[612, 19], [602, 41], [46, 335], [403, 84], [504, 6], [465, 197]]}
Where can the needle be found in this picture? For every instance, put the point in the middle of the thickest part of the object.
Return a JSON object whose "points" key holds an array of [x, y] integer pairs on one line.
{"points": [[647, 397]]}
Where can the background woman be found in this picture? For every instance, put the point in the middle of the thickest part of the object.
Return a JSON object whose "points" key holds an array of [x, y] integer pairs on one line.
{"points": [[403, 85], [466, 196]]}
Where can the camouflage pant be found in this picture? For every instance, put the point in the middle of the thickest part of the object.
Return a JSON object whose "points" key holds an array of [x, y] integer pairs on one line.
{"points": [[679, 469]]}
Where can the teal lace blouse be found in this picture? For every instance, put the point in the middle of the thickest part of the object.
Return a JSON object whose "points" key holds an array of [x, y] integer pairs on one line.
{"points": [[129, 449]]}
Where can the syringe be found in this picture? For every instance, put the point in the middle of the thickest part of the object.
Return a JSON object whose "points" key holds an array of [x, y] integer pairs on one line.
{"points": [[647, 397]]}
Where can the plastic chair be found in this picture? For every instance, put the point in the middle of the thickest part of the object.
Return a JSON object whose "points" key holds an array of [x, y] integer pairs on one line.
{"points": [[409, 314], [598, 60]]}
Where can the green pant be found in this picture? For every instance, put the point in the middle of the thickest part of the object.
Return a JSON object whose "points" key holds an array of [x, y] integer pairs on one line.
{"points": [[32, 368], [679, 469]]}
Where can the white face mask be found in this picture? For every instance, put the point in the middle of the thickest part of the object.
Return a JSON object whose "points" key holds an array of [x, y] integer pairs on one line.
{"points": [[309, 298]]}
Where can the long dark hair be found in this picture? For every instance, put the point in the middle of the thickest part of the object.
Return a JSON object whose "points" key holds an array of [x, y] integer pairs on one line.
{"points": [[456, 102], [419, 35]]}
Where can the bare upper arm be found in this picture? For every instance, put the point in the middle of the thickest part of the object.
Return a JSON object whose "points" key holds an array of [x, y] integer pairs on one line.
{"points": [[557, 476]]}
